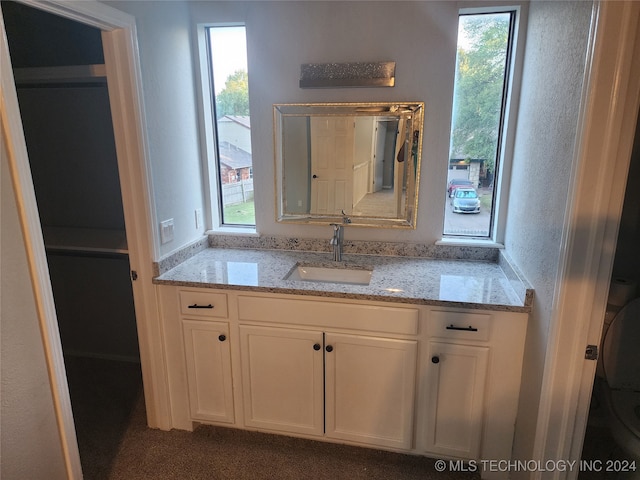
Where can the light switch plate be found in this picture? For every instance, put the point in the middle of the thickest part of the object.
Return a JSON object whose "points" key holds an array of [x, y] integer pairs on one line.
{"points": [[166, 231], [198, 218]]}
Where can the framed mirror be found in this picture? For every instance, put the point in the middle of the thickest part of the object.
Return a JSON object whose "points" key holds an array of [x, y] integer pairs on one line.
{"points": [[352, 162]]}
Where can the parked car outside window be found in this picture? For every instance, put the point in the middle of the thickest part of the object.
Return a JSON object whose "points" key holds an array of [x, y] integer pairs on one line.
{"points": [[465, 200], [457, 183]]}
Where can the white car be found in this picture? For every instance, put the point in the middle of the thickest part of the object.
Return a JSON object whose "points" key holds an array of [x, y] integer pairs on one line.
{"points": [[465, 200]]}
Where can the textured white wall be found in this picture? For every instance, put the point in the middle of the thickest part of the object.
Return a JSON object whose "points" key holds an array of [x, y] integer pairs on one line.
{"points": [[164, 39], [28, 432], [554, 63]]}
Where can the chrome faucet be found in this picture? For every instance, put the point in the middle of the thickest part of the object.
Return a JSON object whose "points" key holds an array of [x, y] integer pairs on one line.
{"points": [[336, 241]]}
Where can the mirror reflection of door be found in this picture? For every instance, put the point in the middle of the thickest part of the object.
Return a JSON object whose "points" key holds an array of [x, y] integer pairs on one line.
{"points": [[332, 158], [375, 154]]}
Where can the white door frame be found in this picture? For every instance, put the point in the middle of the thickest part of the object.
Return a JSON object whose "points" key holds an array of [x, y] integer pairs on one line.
{"points": [[606, 130], [124, 81]]}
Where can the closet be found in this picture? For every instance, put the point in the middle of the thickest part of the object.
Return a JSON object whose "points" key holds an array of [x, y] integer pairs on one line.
{"points": [[58, 66], [64, 104]]}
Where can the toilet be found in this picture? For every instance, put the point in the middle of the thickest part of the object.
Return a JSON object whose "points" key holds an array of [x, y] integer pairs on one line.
{"points": [[620, 371]]}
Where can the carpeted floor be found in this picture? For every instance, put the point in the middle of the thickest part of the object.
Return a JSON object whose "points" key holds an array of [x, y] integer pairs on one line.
{"points": [[115, 442]]}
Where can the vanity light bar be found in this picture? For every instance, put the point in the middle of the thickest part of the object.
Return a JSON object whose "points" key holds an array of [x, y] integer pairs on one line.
{"points": [[359, 74]]}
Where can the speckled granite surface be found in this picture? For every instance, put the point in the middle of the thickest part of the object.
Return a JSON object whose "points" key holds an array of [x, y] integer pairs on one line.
{"points": [[453, 283], [357, 246], [360, 247]]}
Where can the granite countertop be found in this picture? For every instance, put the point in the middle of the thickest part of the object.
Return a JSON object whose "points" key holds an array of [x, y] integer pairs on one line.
{"points": [[421, 281]]}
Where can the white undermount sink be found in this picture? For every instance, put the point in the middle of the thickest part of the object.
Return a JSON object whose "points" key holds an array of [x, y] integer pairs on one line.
{"points": [[330, 275]]}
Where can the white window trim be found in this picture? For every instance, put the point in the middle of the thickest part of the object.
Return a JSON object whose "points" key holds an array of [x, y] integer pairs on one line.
{"points": [[208, 147], [499, 219]]}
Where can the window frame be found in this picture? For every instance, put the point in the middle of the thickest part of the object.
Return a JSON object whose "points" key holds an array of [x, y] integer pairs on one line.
{"points": [[508, 120], [209, 136]]}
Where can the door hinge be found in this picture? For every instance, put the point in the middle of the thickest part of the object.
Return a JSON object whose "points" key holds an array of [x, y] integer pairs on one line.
{"points": [[591, 352], [134, 275]]}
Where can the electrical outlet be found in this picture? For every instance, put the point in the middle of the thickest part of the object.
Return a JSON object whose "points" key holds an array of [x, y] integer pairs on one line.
{"points": [[299, 203], [198, 218], [166, 231]]}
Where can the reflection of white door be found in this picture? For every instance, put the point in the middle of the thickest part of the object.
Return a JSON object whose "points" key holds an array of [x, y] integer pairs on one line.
{"points": [[332, 150]]}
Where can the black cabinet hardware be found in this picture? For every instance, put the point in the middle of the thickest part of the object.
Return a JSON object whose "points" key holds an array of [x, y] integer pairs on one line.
{"points": [[466, 329], [195, 305]]}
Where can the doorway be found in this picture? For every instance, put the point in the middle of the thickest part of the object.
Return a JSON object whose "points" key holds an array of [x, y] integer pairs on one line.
{"points": [[599, 445], [64, 104]]}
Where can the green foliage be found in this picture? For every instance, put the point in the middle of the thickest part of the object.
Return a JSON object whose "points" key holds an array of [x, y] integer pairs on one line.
{"points": [[479, 85], [234, 98]]}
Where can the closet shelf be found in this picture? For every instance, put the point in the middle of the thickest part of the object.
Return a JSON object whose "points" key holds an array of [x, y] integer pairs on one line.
{"points": [[66, 74], [85, 240]]}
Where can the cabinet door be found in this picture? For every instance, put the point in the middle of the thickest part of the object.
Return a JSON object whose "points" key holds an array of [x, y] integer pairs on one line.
{"points": [[370, 389], [456, 381], [208, 359], [282, 379]]}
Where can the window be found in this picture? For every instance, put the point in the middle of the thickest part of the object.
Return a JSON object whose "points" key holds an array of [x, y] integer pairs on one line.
{"points": [[478, 122], [229, 79]]}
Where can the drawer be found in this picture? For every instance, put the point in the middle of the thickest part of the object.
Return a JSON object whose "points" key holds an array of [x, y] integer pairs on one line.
{"points": [[203, 304], [350, 316], [459, 325]]}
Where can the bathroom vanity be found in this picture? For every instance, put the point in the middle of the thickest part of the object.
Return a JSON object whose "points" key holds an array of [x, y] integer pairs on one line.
{"points": [[425, 359]]}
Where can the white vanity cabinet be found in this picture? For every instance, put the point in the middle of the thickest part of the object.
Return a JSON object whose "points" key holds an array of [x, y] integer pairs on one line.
{"points": [[456, 380], [357, 387], [208, 359], [282, 379], [198, 351], [470, 382], [428, 380], [370, 389]]}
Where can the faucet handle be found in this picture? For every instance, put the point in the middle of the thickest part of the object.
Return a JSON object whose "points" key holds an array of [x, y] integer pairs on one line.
{"points": [[345, 218]]}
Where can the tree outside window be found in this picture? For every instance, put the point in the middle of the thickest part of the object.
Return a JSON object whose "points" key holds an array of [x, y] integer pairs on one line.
{"points": [[484, 42]]}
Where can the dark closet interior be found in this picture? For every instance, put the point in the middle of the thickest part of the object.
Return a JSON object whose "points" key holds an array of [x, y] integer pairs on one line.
{"points": [[63, 96]]}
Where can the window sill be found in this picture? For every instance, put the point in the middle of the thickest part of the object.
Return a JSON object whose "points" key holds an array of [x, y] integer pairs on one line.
{"points": [[239, 231], [469, 242]]}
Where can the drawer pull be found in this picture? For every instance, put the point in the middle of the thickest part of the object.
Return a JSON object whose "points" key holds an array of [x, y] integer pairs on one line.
{"points": [[465, 329], [195, 305]]}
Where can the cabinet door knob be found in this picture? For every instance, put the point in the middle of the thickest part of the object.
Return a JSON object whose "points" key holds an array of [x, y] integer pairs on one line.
{"points": [[435, 359], [222, 338], [317, 347], [329, 348]]}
